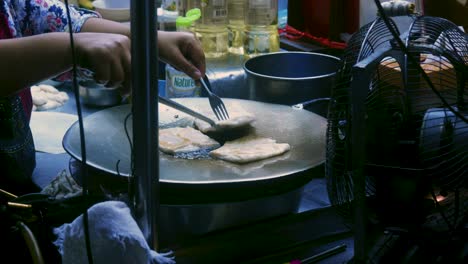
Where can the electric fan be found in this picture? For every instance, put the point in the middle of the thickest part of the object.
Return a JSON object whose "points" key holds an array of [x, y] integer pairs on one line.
{"points": [[397, 139]]}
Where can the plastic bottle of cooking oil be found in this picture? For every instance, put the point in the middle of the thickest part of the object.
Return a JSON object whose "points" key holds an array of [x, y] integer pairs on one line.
{"points": [[261, 27], [179, 84], [236, 26], [211, 29]]}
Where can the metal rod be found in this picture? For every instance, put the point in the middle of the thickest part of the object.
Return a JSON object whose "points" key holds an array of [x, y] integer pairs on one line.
{"points": [[186, 110], [19, 205], [361, 78], [324, 254], [145, 118], [31, 243], [7, 194]]}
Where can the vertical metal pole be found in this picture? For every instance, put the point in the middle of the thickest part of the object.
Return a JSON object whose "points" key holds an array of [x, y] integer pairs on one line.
{"points": [[362, 73], [145, 117], [358, 96]]}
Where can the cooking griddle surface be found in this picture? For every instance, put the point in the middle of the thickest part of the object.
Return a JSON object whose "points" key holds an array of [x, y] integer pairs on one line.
{"points": [[107, 143]]}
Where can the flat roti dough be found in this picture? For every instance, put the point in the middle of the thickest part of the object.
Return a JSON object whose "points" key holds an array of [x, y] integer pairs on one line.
{"points": [[238, 118], [232, 123], [184, 139], [249, 149]]}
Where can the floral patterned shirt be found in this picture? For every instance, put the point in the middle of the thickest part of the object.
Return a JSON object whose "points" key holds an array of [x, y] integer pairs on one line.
{"points": [[20, 18]]}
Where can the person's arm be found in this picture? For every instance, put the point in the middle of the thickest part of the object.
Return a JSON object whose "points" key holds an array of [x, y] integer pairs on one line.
{"points": [[181, 50], [105, 26], [33, 53], [28, 60]]}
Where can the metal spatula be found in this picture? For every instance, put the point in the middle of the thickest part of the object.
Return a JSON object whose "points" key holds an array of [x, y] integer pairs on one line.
{"points": [[186, 110]]}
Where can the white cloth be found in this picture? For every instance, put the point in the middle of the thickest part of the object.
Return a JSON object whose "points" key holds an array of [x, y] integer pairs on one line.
{"points": [[115, 238]]}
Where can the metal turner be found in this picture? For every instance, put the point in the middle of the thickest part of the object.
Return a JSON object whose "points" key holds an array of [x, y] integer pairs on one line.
{"points": [[186, 110]]}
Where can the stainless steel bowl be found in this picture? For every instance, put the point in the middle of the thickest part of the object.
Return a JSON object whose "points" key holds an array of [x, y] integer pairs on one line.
{"points": [[92, 93]]}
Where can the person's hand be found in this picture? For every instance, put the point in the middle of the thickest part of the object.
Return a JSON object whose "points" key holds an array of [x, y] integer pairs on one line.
{"points": [[183, 51], [107, 55]]}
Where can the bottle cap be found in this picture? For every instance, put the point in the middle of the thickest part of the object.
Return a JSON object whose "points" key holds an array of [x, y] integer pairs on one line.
{"points": [[189, 18]]}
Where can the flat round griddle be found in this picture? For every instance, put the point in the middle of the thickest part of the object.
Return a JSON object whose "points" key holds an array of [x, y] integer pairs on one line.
{"points": [[107, 143]]}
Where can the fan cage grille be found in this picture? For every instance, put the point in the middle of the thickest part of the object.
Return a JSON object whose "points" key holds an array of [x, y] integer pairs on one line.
{"points": [[408, 125]]}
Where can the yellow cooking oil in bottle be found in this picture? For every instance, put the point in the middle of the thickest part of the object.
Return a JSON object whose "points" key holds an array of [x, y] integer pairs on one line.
{"points": [[179, 84], [211, 28], [236, 26], [261, 27]]}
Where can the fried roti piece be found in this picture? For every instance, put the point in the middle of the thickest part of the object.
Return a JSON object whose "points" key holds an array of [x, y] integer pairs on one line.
{"points": [[229, 124], [238, 118], [249, 149], [184, 139]]}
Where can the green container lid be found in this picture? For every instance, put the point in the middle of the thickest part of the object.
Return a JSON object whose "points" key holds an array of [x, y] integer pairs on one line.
{"points": [[189, 18]]}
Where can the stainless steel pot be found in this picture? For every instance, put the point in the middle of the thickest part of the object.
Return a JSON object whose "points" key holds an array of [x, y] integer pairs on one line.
{"points": [[290, 77]]}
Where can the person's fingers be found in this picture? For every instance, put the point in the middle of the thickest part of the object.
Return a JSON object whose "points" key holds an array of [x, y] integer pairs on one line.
{"points": [[119, 62], [126, 88], [184, 65], [107, 55], [197, 57], [182, 56], [183, 51], [126, 62], [194, 56], [117, 75], [102, 73]]}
